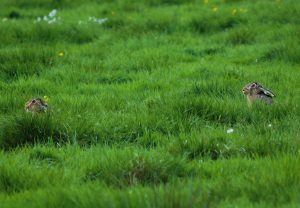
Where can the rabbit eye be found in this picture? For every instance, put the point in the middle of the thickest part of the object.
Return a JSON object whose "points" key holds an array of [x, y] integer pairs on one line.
{"points": [[34, 101]]}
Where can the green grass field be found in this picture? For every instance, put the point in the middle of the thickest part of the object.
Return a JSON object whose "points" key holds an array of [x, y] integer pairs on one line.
{"points": [[142, 94]]}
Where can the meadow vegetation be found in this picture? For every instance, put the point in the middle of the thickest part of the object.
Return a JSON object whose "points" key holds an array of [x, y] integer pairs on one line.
{"points": [[140, 103]]}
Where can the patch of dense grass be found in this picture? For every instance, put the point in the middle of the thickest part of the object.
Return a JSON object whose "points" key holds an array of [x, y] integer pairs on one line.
{"points": [[43, 33], [242, 179], [24, 62], [141, 101]]}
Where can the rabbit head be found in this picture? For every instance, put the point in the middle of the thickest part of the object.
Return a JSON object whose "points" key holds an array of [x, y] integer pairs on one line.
{"points": [[36, 105]]}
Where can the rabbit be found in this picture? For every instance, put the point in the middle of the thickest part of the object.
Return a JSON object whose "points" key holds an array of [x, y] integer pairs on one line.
{"points": [[255, 91], [36, 105]]}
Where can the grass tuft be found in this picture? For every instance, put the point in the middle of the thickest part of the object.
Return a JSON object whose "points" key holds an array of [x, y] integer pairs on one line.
{"points": [[133, 169]]}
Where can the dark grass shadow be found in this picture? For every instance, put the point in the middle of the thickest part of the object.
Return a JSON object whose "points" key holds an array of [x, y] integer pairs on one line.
{"points": [[43, 33], [285, 51], [129, 170], [46, 156], [25, 62]]}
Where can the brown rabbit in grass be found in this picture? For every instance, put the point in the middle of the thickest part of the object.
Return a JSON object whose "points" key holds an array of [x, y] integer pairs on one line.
{"points": [[255, 91], [36, 105]]}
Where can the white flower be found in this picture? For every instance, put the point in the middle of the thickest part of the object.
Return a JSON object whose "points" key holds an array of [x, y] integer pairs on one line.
{"points": [[50, 18], [99, 21], [270, 125], [230, 130], [52, 13]]}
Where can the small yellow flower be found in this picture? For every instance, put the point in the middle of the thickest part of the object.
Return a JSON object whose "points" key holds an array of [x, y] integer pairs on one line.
{"points": [[234, 12], [215, 9], [205, 1], [61, 54], [46, 99]]}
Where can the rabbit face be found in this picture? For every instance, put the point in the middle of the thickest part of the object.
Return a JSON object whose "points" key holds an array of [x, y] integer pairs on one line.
{"points": [[250, 89]]}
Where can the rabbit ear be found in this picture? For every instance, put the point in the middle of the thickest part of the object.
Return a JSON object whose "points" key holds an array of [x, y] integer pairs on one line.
{"points": [[268, 93], [254, 84], [264, 91]]}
